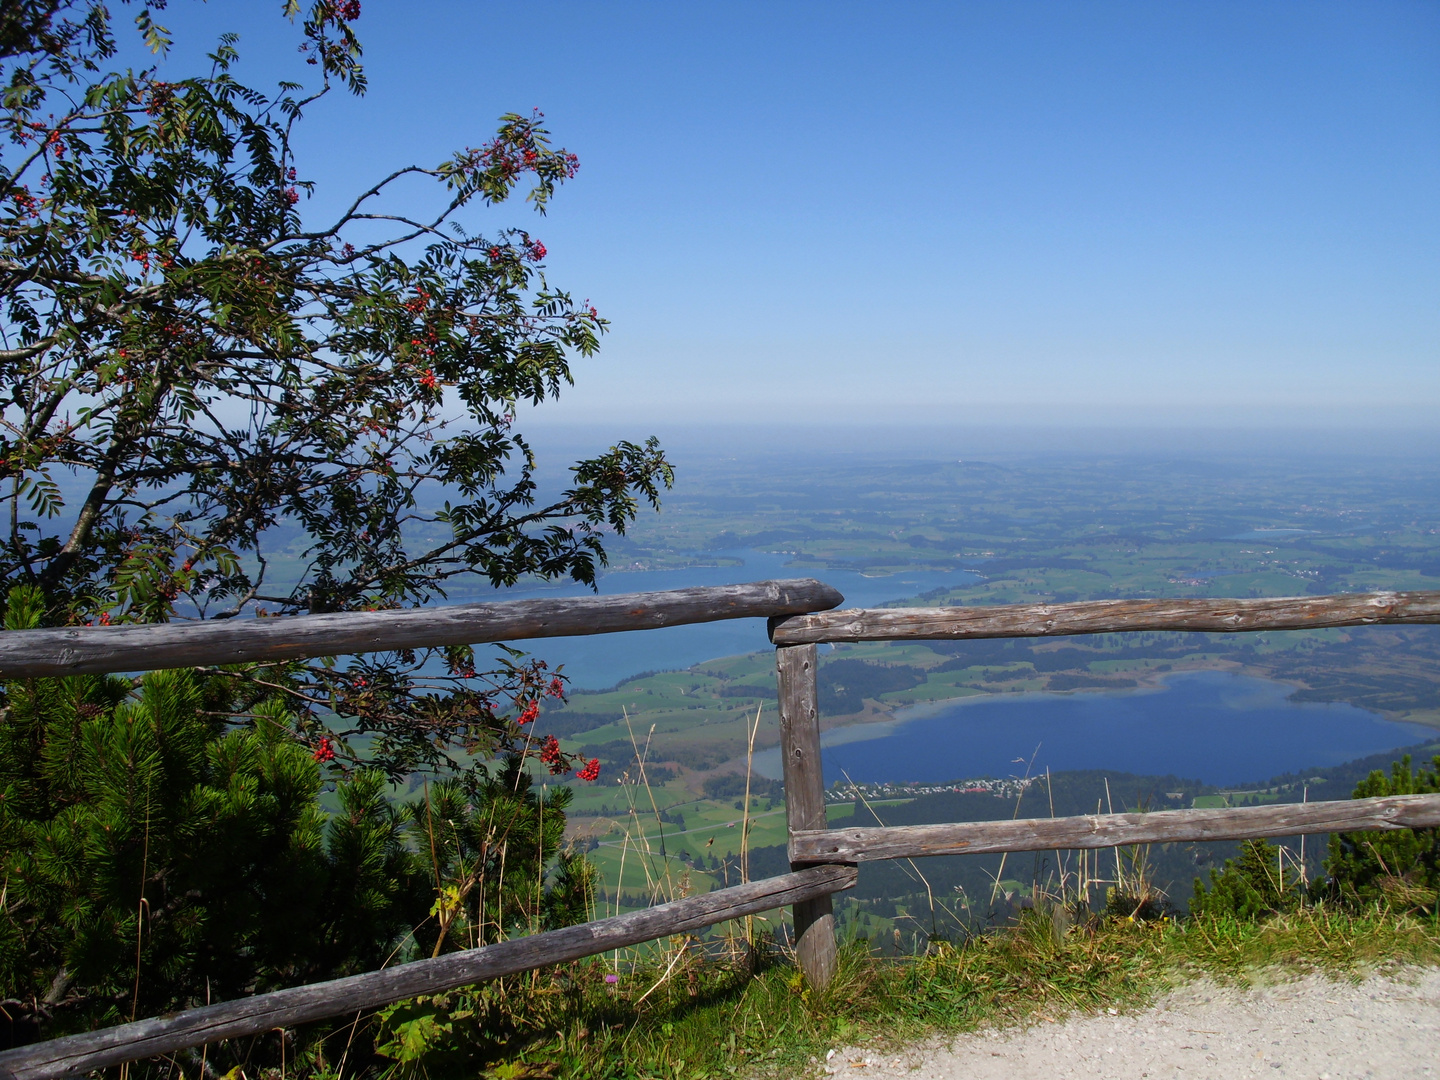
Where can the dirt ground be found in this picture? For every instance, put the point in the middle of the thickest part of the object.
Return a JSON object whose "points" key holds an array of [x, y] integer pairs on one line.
{"points": [[1385, 1026]]}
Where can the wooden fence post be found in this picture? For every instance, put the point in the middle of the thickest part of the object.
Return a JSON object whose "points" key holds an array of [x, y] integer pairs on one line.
{"points": [[805, 799]]}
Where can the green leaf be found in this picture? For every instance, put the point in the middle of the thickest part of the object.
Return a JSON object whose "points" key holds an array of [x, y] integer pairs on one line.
{"points": [[414, 1038]]}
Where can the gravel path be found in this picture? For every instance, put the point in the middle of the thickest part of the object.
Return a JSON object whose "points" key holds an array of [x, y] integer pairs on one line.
{"points": [[1384, 1027]]}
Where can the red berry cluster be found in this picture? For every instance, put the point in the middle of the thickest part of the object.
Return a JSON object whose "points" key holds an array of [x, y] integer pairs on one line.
{"points": [[426, 342], [591, 771], [550, 755], [531, 711], [325, 751], [517, 150], [161, 94]]}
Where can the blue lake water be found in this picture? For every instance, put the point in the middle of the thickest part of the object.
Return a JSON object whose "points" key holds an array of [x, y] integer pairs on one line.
{"points": [[1218, 727], [1214, 726], [605, 659]]}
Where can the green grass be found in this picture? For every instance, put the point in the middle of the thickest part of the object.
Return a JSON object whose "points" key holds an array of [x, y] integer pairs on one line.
{"points": [[711, 1018]]}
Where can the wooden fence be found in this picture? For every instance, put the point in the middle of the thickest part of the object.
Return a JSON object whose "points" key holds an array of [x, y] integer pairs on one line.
{"points": [[823, 861]]}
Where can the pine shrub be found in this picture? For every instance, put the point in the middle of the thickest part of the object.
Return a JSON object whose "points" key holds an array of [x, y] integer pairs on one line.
{"points": [[1400, 868], [1254, 886], [164, 845]]}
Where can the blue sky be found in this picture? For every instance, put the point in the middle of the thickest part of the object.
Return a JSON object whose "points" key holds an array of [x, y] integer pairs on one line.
{"points": [[1110, 213]]}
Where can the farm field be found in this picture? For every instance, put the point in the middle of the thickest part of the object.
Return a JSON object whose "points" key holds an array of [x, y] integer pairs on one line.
{"points": [[1031, 529]]}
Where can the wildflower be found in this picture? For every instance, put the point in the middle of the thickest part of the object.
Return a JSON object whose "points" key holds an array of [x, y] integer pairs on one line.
{"points": [[612, 979], [591, 771], [325, 751]]}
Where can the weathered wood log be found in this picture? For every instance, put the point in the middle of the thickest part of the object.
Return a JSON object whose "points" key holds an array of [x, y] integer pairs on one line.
{"points": [[1114, 830], [94, 649], [1105, 617], [76, 1054], [816, 950]]}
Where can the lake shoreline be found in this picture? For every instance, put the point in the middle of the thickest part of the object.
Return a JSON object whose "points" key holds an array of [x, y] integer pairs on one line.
{"points": [[1269, 729]]}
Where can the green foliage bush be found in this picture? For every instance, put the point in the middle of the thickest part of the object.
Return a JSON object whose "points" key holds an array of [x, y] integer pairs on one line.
{"points": [[166, 845], [488, 846], [155, 856], [1400, 868], [1251, 887]]}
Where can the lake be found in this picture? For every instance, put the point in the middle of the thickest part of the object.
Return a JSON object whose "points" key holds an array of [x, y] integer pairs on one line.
{"points": [[1215, 726], [604, 659]]}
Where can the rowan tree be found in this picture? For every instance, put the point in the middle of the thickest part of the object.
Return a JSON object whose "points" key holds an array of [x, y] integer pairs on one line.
{"points": [[214, 405]]}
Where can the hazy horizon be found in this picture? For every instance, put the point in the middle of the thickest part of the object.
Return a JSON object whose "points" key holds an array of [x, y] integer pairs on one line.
{"points": [[1214, 213]]}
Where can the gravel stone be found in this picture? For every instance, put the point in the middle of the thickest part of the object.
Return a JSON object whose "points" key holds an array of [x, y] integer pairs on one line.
{"points": [[1384, 1026]]}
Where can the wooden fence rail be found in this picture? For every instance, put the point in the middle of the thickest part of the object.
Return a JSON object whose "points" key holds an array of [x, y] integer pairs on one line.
{"points": [[97, 649], [1384, 814], [822, 860], [1106, 616], [77, 1054], [795, 638]]}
